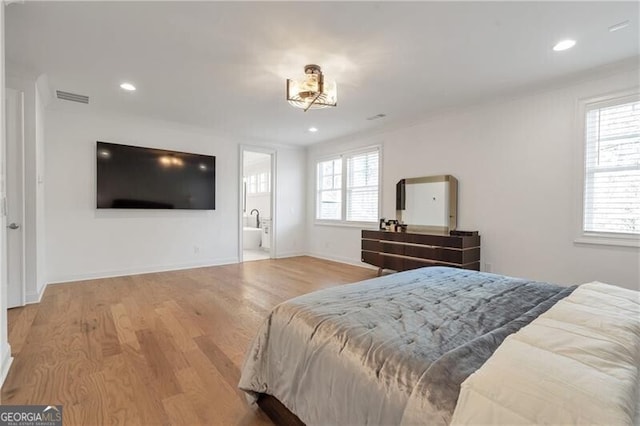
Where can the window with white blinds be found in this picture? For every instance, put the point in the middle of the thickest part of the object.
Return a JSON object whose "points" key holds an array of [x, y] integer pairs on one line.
{"points": [[259, 183], [329, 203], [362, 187], [348, 187], [612, 167]]}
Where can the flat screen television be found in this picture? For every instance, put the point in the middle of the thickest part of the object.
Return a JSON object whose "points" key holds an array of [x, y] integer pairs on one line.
{"points": [[132, 177]]}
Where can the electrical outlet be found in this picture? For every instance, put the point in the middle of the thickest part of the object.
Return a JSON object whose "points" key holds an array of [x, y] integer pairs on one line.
{"points": [[487, 267], [196, 249]]}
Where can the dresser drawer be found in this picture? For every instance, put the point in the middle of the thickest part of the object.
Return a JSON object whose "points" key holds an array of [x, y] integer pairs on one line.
{"points": [[401, 251], [371, 245], [372, 258]]}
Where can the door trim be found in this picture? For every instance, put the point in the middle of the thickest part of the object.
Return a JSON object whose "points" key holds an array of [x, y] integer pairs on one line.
{"points": [[274, 155]]}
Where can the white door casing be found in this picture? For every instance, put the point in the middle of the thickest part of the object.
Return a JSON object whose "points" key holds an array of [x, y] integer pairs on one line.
{"points": [[273, 168]]}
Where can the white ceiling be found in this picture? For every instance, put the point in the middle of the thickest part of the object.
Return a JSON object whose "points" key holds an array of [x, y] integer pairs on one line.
{"points": [[223, 65]]}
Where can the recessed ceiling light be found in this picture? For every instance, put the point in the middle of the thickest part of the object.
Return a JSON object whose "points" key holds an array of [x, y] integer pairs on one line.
{"points": [[618, 26], [128, 87], [564, 45], [313, 129]]}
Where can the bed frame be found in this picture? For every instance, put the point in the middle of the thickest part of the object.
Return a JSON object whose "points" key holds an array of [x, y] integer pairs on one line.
{"points": [[277, 412]]}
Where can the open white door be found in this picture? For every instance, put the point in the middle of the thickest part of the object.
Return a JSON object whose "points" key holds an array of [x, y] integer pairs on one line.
{"points": [[15, 198]]}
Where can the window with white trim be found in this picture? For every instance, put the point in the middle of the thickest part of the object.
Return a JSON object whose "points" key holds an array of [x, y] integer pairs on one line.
{"points": [[612, 168], [348, 186], [259, 183], [264, 182], [253, 184]]}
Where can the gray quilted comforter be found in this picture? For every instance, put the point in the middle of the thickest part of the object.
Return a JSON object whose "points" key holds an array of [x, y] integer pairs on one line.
{"points": [[391, 350]]}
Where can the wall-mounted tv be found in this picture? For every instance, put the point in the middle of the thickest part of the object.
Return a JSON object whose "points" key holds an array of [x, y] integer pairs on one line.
{"points": [[132, 177]]}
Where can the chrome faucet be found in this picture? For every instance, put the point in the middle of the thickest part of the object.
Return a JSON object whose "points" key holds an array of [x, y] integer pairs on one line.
{"points": [[257, 217]]}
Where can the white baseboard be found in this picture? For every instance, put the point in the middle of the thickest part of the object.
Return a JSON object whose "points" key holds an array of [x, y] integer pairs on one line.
{"points": [[143, 270], [290, 254], [164, 268], [346, 260], [35, 298], [5, 364]]}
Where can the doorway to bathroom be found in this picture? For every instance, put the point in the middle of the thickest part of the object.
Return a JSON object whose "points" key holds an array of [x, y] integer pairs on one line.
{"points": [[257, 199]]}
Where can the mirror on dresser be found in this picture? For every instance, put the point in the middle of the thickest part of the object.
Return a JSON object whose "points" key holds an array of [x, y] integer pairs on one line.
{"points": [[428, 203]]}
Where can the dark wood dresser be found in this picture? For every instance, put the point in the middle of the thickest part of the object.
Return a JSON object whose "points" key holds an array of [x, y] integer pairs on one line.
{"points": [[400, 251]]}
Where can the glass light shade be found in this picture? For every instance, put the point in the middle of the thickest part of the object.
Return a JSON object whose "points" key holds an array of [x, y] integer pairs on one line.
{"points": [[312, 92]]}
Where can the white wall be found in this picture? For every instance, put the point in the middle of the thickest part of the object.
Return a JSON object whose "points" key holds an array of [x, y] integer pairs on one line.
{"points": [[516, 163], [290, 225], [83, 242]]}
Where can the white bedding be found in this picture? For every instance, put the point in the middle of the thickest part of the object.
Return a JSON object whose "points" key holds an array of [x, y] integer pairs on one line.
{"points": [[578, 363]]}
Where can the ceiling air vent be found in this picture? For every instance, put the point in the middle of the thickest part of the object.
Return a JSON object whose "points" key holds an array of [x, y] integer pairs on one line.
{"points": [[66, 96], [377, 116]]}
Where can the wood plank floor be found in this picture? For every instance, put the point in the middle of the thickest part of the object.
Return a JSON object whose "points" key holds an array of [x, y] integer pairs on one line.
{"points": [[154, 349]]}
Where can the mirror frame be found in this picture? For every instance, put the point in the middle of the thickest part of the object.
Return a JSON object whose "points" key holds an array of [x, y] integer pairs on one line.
{"points": [[453, 202]]}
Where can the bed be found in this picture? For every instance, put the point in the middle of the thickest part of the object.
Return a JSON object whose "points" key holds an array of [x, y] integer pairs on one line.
{"points": [[398, 349]]}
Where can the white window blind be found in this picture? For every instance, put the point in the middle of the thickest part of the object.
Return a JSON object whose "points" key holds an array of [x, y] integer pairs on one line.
{"points": [[253, 184], [259, 183], [264, 182], [348, 187], [329, 201], [362, 187], [612, 168]]}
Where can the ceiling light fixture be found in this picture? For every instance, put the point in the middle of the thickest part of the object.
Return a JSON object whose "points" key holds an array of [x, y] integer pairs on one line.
{"points": [[313, 129], [312, 92], [128, 87], [618, 26], [564, 45]]}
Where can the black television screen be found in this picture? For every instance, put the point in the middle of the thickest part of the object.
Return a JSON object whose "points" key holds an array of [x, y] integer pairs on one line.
{"points": [[131, 177]]}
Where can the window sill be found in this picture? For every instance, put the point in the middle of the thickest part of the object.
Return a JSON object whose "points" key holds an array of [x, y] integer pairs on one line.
{"points": [[609, 240], [345, 224]]}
